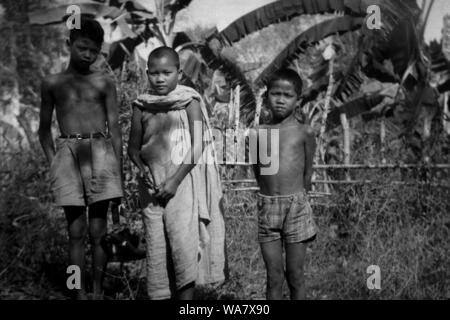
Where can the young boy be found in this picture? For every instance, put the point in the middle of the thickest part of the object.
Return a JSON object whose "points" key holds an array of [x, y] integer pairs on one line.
{"points": [[284, 214], [171, 144], [85, 167]]}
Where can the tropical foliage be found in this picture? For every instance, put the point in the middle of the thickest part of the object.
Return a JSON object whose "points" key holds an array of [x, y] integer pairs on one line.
{"points": [[347, 69]]}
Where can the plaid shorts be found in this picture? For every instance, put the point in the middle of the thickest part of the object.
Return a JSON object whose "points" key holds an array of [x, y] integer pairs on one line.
{"points": [[285, 217]]}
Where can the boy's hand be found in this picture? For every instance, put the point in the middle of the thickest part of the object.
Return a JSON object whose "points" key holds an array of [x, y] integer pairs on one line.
{"points": [[167, 190], [50, 158], [144, 176], [116, 202], [308, 187]]}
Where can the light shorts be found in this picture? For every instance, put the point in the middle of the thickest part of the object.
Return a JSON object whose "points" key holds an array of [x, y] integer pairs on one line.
{"points": [[85, 171], [285, 217]]}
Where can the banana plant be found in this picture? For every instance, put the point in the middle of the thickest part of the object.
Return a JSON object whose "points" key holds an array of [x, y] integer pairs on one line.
{"points": [[398, 38]]}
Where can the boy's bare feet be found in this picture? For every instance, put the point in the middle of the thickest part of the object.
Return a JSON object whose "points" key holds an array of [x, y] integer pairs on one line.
{"points": [[187, 292], [97, 296], [81, 295]]}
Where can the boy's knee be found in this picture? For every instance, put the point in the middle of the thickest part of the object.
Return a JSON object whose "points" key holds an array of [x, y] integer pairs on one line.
{"points": [[275, 276], [77, 234], [96, 232], [296, 278]]}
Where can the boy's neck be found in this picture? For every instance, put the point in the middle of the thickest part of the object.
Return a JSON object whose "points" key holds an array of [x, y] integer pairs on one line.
{"points": [[153, 92], [72, 68], [284, 121]]}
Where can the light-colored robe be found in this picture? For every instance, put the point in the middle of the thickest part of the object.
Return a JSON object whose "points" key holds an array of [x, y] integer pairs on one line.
{"points": [[186, 239]]}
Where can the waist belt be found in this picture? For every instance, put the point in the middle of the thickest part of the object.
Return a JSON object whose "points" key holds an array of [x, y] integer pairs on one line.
{"points": [[80, 136]]}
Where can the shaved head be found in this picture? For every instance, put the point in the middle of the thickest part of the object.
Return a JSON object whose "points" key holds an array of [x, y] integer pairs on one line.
{"points": [[164, 52]]}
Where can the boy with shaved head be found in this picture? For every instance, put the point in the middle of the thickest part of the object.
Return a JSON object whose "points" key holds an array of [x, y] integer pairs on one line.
{"points": [[179, 183]]}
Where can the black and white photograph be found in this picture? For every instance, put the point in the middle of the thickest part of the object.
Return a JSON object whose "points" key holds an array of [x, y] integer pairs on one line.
{"points": [[226, 151]]}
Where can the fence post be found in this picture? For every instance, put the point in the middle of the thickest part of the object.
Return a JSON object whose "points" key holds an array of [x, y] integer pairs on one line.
{"points": [[382, 140], [237, 103], [347, 142]]}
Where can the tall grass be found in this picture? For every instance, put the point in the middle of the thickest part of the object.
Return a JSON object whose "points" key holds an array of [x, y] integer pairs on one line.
{"points": [[402, 229]]}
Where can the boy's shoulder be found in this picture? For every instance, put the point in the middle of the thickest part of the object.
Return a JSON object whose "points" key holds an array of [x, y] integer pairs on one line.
{"points": [[299, 131], [52, 79], [61, 77], [306, 129]]}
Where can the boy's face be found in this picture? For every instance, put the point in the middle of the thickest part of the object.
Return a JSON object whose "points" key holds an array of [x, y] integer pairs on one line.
{"points": [[163, 75], [84, 52], [282, 99]]}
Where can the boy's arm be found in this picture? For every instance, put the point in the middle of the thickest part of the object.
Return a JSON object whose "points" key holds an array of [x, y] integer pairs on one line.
{"points": [[112, 116], [135, 140], [45, 121], [169, 187], [310, 147]]}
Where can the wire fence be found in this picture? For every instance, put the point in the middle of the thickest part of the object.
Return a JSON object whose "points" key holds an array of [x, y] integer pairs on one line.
{"points": [[241, 185]]}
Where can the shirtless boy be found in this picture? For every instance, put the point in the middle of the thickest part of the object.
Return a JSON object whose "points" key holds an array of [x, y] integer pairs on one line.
{"points": [[85, 165], [284, 214]]}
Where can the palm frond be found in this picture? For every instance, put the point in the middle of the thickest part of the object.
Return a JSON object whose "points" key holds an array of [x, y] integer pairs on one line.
{"points": [[275, 12], [353, 108], [375, 47], [234, 77], [309, 37], [121, 49], [285, 10]]}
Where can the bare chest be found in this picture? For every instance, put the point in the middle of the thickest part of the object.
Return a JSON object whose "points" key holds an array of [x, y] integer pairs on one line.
{"points": [[283, 141], [161, 123], [77, 93]]}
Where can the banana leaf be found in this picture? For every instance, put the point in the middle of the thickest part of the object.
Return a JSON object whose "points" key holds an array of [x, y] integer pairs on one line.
{"points": [[309, 37], [352, 109], [284, 10], [119, 51]]}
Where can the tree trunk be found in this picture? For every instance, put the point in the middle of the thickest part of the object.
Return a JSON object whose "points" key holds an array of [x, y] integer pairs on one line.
{"points": [[446, 37], [259, 101], [320, 153], [325, 111], [231, 108], [237, 105], [237, 102], [446, 116]]}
